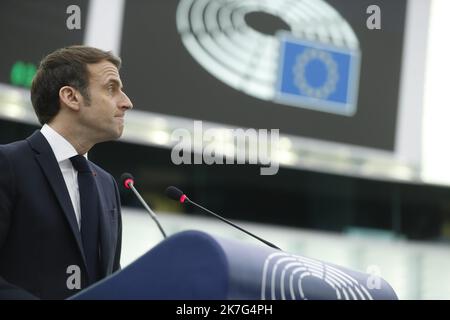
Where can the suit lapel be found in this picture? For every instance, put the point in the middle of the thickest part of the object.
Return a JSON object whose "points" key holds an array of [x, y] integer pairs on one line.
{"points": [[106, 250], [46, 159]]}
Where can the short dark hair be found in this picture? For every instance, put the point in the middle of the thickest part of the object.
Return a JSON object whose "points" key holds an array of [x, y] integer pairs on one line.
{"points": [[64, 67]]}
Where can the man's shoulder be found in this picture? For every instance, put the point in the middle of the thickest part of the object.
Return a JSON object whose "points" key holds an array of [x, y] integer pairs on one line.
{"points": [[14, 148], [12, 154]]}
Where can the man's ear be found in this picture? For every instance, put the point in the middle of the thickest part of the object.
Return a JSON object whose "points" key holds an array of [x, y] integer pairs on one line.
{"points": [[70, 97]]}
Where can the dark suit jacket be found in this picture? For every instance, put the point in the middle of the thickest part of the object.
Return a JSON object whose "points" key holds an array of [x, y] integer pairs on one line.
{"points": [[39, 234]]}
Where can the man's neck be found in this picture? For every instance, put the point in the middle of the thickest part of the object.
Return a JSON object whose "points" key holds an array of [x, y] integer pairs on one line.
{"points": [[75, 138]]}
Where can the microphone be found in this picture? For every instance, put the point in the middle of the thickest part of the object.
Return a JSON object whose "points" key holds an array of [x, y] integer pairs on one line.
{"points": [[128, 182], [178, 195]]}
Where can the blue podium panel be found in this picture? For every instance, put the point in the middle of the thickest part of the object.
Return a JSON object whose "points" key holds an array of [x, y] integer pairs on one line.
{"points": [[194, 265]]}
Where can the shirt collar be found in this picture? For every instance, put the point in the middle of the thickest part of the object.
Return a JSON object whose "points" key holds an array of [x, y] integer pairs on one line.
{"points": [[62, 148]]}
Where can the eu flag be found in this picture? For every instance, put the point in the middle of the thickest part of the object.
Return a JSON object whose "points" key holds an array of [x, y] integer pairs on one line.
{"points": [[317, 76]]}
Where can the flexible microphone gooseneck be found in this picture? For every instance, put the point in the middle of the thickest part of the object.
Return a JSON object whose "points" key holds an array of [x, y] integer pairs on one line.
{"points": [[128, 182], [178, 195]]}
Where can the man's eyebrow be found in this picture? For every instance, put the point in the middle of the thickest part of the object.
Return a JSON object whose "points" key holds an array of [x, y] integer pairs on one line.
{"points": [[115, 81]]}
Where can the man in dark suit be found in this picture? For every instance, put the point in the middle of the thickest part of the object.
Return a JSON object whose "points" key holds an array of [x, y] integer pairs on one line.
{"points": [[60, 222]]}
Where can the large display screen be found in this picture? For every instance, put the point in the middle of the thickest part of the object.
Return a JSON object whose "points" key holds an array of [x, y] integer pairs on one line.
{"points": [[316, 69]]}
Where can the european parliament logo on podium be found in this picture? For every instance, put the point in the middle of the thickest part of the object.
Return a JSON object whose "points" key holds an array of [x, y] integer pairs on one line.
{"points": [[318, 76]]}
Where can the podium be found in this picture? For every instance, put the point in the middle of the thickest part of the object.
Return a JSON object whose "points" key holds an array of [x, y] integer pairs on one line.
{"points": [[194, 265]]}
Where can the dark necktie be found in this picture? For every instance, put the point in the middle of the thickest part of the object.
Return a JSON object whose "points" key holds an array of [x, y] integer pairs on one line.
{"points": [[89, 203]]}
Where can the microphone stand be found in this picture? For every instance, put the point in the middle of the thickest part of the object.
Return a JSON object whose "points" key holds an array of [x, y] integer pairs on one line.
{"points": [[152, 214]]}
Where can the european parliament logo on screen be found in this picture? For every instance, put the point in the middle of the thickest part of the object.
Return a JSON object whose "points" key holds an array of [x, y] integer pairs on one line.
{"points": [[317, 76], [281, 67]]}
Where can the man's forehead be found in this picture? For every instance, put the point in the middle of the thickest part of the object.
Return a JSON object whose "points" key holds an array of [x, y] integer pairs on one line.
{"points": [[103, 71]]}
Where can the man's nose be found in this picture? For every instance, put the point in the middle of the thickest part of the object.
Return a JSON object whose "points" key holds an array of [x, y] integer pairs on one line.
{"points": [[126, 102]]}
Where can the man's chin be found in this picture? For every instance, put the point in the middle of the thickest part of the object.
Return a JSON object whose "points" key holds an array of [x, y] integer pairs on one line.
{"points": [[119, 133], [112, 136]]}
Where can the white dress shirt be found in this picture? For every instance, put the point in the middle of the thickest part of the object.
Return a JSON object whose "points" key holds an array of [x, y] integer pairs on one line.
{"points": [[63, 151]]}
